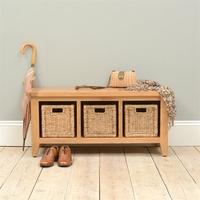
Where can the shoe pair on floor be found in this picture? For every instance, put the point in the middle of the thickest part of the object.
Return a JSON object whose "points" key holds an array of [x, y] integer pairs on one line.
{"points": [[54, 153]]}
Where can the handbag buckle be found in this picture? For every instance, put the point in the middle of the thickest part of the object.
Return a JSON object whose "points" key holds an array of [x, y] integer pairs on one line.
{"points": [[121, 75]]}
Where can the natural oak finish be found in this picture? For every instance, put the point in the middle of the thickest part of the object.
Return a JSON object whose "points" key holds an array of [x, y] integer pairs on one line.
{"points": [[120, 119], [108, 94], [87, 93], [163, 129], [35, 126], [78, 119]]}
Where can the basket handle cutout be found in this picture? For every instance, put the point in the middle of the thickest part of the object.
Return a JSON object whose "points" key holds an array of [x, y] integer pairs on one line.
{"points": [[57, 110], [141, 110], [99, 110]]}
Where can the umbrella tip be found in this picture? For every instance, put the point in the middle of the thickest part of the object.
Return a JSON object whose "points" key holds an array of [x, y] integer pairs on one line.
{"points": [[23, 144]]}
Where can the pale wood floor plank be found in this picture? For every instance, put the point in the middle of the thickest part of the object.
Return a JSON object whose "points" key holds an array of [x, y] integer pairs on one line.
{"points": [[9, 156], [52, 183], [198, 148], [84, 179], [115, 182], [146, 180], [178, 181], [190, 157], [22, 179], [180, 173]]}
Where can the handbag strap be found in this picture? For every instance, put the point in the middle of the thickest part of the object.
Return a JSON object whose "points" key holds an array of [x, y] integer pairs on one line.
{"points": [[121, 75], [94, 87]]}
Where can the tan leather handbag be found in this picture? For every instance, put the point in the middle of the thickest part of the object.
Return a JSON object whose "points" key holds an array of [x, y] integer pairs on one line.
{"points": [[122, 79]]}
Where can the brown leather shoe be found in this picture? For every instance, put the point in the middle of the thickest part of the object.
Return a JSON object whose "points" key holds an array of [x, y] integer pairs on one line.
{"points": [[50, 155], [65, 156]]}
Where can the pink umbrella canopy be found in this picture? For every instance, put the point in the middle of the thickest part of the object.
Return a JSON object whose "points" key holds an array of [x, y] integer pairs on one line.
{"points": [[28, 85]]}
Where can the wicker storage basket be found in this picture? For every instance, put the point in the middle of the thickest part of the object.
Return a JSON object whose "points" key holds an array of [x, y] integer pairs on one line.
{"points": [[141, 120], [99, 120], [58, 120]]}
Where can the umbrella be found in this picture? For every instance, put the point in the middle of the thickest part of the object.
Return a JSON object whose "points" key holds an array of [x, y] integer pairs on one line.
{"points": [[28, 84]]}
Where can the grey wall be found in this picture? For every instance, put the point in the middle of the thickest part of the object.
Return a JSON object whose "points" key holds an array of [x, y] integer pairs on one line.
{"points": [[80, 42]]}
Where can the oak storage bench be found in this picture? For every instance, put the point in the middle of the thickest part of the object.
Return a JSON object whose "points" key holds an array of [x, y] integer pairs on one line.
{"points": [[103, 116]]}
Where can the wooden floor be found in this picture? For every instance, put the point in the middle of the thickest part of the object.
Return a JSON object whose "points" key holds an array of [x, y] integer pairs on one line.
{"points": [[107, 173]]}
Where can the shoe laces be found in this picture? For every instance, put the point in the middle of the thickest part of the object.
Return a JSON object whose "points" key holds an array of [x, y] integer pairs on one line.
{"points": [[48, 150], [64, 149]]}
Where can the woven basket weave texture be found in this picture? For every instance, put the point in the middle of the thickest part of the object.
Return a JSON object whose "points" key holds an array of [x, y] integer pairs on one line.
{"points": [[128, 79], [100, 124], [141, 123], [58, 124]]}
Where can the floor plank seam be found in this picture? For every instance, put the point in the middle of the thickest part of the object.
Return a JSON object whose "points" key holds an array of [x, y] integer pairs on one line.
{"points": [[69, 179], [35, 183], [13, 168], [183, 165], [99, 174], [129, 173], [159, 173]]}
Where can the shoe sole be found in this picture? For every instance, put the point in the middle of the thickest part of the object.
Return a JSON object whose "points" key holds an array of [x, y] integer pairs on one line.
{"points": [[64, 165], [46, 165]]}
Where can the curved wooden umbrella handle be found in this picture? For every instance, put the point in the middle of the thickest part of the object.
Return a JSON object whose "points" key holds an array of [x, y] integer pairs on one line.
{"points": [[33, 47]]}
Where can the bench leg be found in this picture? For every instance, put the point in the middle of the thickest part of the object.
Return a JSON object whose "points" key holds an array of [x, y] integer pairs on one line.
{"points": [[35, 126], [164, 130], [164, 148], [35, 149]]}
